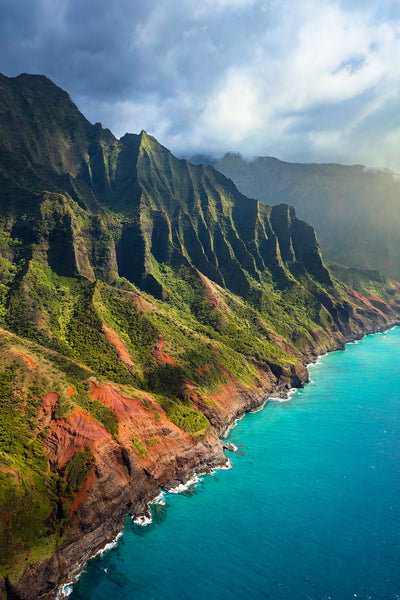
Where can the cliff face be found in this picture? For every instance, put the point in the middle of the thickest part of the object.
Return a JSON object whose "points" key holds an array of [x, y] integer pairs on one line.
{"points": [[354, 209], [144, 304]]}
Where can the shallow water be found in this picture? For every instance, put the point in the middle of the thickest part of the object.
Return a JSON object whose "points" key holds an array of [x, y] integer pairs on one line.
{"points": [[311, 509]]}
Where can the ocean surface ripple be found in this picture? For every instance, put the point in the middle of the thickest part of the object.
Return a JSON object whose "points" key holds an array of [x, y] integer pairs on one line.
{"points": [[310, 510]]}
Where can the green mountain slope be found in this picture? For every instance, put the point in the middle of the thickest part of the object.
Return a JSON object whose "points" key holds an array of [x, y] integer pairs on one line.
{"points": [[355, 210], [144, 304]]}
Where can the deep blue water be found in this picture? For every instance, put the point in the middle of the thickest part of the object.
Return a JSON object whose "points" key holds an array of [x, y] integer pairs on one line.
{"points": [[311, 509]]}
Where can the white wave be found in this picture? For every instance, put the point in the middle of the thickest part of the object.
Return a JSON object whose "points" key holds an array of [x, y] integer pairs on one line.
{"points": [[66, 590], [231, 447], [226, 467], [108, 546], [160, 499], [239, 419], [182, 487], [313, 364], [142, 520], [284, 399]]}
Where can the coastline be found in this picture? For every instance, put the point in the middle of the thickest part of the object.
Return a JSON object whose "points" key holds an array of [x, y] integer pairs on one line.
{"points": [[179, 485], [142, 518]]}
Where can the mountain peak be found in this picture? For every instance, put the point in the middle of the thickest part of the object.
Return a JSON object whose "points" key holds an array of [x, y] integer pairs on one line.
{"points": [[145, 304], [354, 209]]}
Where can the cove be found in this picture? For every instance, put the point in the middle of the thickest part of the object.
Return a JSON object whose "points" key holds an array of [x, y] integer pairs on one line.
{"points": [[310, 510]]}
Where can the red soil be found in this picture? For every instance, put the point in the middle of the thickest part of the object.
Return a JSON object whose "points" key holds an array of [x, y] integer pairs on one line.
{"points": [[144, 305], [71, 391], [81, 495], [119, 345], [139, 304], [144, 424], [160, 355], [47, 409], [29, 361], [77, 432], [223, 397], [365, 301], [280, 342], [123, 406], [213, 294]]}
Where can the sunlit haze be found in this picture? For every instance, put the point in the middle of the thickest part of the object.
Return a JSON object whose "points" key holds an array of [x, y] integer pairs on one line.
{"points": [[312, 80]]}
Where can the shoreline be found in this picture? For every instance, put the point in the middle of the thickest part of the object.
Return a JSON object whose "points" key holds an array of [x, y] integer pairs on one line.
{"points": [[283, 395], [64, 590], [142, 519]]}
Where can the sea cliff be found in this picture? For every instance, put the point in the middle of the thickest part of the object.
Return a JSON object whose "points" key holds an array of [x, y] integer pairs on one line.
{"points": [[145, 304]]}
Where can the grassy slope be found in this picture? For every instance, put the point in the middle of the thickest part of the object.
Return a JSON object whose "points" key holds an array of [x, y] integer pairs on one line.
{"points": [[94, 231], [238, 338]]}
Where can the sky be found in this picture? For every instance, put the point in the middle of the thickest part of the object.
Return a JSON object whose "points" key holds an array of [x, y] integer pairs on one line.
{"points": [[304, 81]]}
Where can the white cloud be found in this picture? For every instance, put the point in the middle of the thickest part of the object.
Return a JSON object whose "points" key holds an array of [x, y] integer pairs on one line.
{"points": [[299, 79], [210, 7], [327, 57]]}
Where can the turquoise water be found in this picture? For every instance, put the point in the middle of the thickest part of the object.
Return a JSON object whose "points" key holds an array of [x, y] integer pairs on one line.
{"points": [[311, 509]]}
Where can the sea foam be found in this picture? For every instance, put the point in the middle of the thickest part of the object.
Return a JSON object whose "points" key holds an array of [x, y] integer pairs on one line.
{"points": [[67, 588], [286, 399], [142, 520], [182, 487]]}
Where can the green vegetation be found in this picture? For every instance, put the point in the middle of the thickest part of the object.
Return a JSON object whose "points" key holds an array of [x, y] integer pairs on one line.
{"points": [[76, 471], [121, 264], [192, 421], [151, 441], [64, 407], [364, 281], [354, 209], [137, 444], [99, 411], [27, 488]]}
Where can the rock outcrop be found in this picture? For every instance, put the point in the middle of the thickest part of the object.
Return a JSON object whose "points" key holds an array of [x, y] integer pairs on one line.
{"points": [[145, 304]]}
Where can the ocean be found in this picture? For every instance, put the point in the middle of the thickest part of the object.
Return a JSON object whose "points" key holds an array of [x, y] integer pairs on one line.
{"points": [[310, 509]]}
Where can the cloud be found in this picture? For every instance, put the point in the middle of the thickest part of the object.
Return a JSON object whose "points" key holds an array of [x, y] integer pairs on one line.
{"points": [[301, 80], [211, 7]]}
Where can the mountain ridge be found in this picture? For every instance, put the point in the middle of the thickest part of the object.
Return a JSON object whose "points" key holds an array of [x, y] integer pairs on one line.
{"points": [[353, 208], [145, 303]]}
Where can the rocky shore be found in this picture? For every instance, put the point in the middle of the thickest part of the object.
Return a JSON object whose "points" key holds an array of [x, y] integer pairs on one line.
{"points": [[122, 482]]}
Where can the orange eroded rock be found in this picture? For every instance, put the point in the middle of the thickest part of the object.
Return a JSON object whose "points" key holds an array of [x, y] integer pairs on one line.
{"points": [[213, 294], [160, 355], [280, 342], [144, 305], [77, 432], [160, 439], [29, 361], [119, 345], [367, 301], [47, 409], [223, 397], [139, 304], [71, 391], [82, 494]]}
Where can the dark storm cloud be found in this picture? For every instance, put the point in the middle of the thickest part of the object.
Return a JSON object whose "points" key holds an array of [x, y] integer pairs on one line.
{"points": [[301, 80]]}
